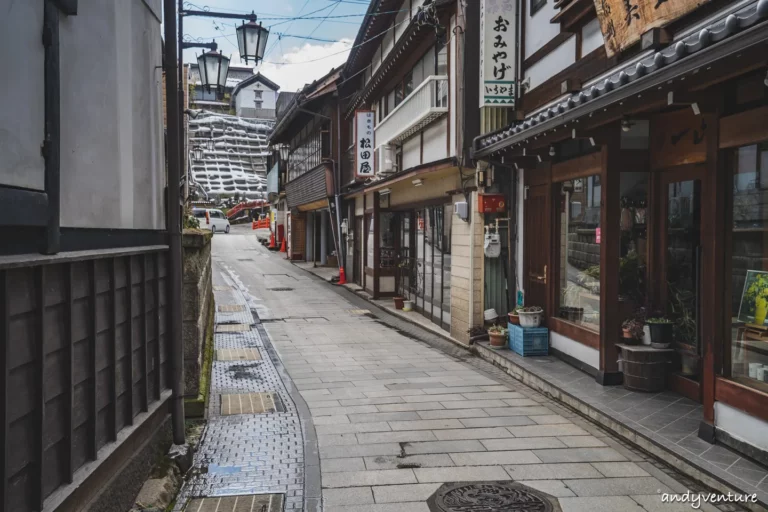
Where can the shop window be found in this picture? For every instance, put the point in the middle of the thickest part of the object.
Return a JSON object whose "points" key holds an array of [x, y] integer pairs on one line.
{"points": [[579, 262], [749, 267], [387, 237], [633, 244]]}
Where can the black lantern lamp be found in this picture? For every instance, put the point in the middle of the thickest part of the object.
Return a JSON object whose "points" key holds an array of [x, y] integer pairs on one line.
{"points": [[252, 40], [210, 144], [285, 151], [197, 152], [214, 68]]}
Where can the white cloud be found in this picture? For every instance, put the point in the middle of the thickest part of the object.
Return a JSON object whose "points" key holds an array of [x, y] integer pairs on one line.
{"points": [[301, 65]]}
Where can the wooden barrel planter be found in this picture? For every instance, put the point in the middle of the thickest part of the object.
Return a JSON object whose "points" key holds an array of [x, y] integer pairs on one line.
{"points": [[645, 368]]}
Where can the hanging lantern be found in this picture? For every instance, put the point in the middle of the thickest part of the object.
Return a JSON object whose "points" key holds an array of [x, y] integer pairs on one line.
{"points": [[252, 40], [214, 68], [197, 153], [210, 144], [285, 151]]}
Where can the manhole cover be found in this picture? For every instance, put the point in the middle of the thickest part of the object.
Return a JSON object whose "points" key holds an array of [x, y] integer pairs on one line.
{"points": [[250, 503], [238, 354], [231, 308], [233, 327], [280, 289], [250, 403], [491, 497]]}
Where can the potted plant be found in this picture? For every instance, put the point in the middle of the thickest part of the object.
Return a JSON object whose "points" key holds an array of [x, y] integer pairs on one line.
{"points": [[398, 302], [407, 305], [498, 336], [633, 331], [661, 331], [514, 318], [530, 316]]}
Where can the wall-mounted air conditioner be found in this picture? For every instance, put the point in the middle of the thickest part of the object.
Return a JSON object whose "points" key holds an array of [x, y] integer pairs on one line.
{"points": [[386, 159]]}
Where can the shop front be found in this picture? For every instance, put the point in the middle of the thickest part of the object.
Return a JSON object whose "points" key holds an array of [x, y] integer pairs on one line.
{"points": [[650, 209]]}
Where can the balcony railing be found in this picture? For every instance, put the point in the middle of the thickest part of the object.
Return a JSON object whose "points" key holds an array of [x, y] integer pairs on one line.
{"points": [[426, 103]]}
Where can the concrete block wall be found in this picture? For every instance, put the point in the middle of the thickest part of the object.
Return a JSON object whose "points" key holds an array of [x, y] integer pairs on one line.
{"points": [[197, 294], [462, 266]]}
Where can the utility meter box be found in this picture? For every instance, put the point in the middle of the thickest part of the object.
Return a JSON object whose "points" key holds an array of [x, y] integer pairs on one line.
{"points": [[460, 209], [492, 203]]}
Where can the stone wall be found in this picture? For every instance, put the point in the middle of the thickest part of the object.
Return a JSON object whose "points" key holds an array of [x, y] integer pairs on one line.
{"points": [[197, 294]]}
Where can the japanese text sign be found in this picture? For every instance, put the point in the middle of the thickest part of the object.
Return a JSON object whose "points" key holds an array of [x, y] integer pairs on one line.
{"points": [[623, 22], [364, 143], [498, 53]]}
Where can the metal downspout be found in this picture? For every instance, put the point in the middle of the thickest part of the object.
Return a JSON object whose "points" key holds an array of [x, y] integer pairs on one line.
{"points": [[173, 221], [342, 247]]}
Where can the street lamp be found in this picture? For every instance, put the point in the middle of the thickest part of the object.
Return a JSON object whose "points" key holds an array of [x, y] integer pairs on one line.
{"points": [[252, 39], [285, 151], [213, 70], [197, 152]]}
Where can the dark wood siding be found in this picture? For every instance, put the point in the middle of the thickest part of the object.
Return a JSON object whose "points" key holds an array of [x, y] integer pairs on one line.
{"points": [[310, 187]]}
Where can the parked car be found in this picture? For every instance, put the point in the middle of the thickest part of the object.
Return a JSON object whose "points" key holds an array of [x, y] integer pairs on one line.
{"points": [[215, 220]]}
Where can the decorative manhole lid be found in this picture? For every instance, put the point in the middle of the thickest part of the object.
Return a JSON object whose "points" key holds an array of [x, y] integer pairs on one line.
{"points": [[491, 497]]}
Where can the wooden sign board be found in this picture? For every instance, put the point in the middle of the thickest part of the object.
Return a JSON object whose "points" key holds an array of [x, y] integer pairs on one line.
{"points": [[623, 22], [679, 138]]}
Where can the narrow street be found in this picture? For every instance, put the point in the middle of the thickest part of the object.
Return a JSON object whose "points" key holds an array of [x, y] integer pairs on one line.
{"points": [[394, 412]]}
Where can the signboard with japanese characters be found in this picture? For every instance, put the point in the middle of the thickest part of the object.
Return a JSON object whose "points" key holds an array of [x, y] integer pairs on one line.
{"points": [[623, 22], [498, 53], [364, 144]]}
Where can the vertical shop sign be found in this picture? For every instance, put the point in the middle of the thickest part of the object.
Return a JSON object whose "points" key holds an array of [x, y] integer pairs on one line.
{"points": [[364, 144], [498, 53]]}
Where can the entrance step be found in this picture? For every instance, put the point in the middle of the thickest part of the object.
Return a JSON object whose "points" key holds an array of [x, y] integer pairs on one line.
{"points": [[247, 503]]}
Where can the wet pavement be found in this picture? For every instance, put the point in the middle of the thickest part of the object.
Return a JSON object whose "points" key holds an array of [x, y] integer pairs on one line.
{"points": [[390, 411]]}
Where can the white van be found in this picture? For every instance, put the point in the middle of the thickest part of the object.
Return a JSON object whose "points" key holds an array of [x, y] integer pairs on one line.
{"points": [[216, 221]]}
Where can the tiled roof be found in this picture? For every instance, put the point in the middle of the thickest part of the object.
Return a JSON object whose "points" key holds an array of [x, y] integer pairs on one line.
{"points": [[238, 163], [706, 37]]}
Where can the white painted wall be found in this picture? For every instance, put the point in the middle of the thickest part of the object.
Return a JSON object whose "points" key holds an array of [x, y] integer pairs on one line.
{"points": [[435, 146], [452, 81], [412, 151], [538, 29], [556, 61], [246, 97], [583, 353], [591, 37], [22, 96], [112, 149], [741, 426]]}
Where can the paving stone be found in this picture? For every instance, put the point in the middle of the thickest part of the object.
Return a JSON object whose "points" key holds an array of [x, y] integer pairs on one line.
{"points": [[423, 406], [494, 458], [337, 411], [607, 504], [554, 488], [396, 437], [547, 430], [372, 401], [653, 503], [502, 421], [408, 492], [453, 414], [396, 392], [348, 496], [320, 404], [552, 471], [472, 433], [366, 478], [424, 424], [616, 486], [461, 474], [444, 447], [384, 507], [581, 441], [412, 461], [551, 419], [493, 395], [580, 455], [238, 354], [519, 411], [435, 398], [383, 416], [345, 464], [413, 385], [360, 450], [352, 428], [522, 443], [232, 328], [619, 469], [474, 404], [336, 439], [249, 403]]}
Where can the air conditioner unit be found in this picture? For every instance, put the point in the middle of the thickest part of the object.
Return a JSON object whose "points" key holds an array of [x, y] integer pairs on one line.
{"points": [[386, 160]]}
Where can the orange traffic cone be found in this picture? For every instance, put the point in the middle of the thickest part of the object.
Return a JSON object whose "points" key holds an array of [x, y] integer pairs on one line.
{"points": [[272, 241], [253, 225], [342, 276], [282, 246]]}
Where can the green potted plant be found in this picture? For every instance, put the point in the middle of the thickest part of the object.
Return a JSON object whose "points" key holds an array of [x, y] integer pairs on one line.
{"points": [[632, 330], [498, 336], [530, 316], [661, 331]]}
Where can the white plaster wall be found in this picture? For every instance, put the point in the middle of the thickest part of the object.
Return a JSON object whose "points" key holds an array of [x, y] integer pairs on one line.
{"points": [[591, 37], [741, 425], [246, 97], [359, 210], [112, 148], [387, 43], [412, 151], [583, 353], [435, 143], [556, 61], [22, 96], [538, 29], [402, 18]]}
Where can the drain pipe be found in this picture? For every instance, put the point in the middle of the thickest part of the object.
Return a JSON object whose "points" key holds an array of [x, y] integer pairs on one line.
{"points": [[173, 220]]}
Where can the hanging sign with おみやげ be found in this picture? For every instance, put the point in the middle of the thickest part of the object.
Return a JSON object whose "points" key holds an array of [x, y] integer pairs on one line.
{"points": [[498, 53], [624, 22], [364, 143]]}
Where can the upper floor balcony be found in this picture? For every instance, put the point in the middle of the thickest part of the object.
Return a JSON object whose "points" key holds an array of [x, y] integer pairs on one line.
{"points": [[427, 102]]}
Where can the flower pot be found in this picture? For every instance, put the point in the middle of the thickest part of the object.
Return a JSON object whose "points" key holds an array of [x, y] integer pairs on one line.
{"points": [[407, 305], [628, 339], [761, 310], [514, 319], [661, 333], [528, 320], [646, 335], [399, 302], [497, 340]]}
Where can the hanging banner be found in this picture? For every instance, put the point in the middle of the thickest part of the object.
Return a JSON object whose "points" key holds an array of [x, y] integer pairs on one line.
{"points": [[623, 22], [364, 144], [498, 53]]}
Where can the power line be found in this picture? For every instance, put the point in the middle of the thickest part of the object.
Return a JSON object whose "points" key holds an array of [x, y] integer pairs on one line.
{"points": [[338, 2]]}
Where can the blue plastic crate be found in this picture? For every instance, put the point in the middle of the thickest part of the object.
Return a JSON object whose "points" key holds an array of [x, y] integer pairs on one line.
{"points": [[533, 341]]}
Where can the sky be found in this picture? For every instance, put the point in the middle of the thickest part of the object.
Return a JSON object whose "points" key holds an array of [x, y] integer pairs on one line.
{"points": [[299, 51]]}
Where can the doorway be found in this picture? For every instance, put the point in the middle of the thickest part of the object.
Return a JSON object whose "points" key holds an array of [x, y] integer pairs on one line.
{"points": [[536, 251]]}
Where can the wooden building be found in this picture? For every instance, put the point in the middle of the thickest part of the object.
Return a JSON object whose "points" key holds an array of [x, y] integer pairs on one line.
{"points": [[641, 152]]}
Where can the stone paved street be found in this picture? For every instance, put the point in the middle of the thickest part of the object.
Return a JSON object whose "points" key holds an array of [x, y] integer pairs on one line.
{"points": [[394, 411]]}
